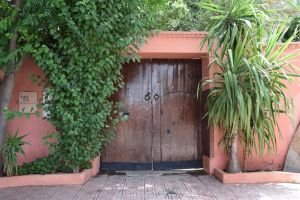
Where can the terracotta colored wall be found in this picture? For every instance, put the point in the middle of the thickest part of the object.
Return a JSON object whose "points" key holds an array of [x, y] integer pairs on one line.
{"points": [[36, 127], [164, 45], [174, 45]]}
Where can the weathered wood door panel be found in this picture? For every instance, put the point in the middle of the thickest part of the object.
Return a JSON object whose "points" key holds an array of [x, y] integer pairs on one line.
{"points": [[176, 113], [132, 143], [164, 126]]}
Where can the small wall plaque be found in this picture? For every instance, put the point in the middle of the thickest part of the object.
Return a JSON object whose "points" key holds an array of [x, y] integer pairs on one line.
{"points": [[28, 102]]}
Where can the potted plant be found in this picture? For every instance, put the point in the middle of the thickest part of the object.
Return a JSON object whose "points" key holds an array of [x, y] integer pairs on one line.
{"points": [[246, 89]]}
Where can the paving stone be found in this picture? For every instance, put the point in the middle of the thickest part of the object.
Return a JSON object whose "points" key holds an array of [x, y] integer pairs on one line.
{"points": [[154, 187]]}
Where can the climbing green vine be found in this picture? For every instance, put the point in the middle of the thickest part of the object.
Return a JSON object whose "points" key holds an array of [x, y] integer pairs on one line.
{"points": [[7, 20], [81, 46]]}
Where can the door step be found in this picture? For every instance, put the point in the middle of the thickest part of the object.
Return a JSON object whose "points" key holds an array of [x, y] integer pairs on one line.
{"points": [[193, 172], [157, 166]]}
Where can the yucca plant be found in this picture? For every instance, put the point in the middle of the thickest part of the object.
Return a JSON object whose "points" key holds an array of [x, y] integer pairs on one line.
{"points": [[230, 19], [12, 147], [247, 89]]}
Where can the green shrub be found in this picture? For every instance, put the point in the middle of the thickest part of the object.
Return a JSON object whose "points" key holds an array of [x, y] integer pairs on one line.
{"points": [[47, 165], [39, 166], [178, 15], [81, 47]]}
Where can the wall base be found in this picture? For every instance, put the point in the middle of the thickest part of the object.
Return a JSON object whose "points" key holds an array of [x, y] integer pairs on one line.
{"points": [[52, 179], [207, 165], [257, 177]]}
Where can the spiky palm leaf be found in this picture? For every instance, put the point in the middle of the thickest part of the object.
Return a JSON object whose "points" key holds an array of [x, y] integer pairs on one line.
{"points": [[12, 146], [247, 89], [231, 18]]}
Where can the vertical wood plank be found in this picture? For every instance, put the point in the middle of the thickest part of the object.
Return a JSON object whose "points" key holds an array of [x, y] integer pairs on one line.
{"points": [[156, 111], [180, 112], [146, 143]]}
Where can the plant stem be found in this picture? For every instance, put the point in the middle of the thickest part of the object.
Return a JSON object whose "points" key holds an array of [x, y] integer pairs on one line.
{"points": [[233, 164], [245, 155]]}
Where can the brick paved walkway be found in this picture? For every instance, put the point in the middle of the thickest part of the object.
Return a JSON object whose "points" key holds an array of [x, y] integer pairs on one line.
{"points": [[105, 187]]}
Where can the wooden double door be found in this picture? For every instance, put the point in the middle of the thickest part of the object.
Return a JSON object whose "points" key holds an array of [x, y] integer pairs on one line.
{"points": [[163, 130]]}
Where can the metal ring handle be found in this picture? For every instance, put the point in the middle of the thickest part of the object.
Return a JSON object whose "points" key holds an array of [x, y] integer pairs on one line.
{"points": [[156, 96], [147, 97]]}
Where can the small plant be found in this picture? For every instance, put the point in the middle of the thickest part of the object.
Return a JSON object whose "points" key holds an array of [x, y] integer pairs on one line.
{"points": [[12, 146]]}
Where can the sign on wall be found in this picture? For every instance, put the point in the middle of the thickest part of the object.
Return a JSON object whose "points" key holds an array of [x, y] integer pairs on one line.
{"points": [[28, 102]]}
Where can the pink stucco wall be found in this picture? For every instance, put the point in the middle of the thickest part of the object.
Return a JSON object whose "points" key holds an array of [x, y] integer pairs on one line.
{"points": [[163, 45], [35, 127], [276, 161], [174, 45]]}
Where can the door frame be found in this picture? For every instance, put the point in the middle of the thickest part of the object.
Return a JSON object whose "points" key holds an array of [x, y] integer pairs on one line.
{"points": [[184, 45], [191, 159]]}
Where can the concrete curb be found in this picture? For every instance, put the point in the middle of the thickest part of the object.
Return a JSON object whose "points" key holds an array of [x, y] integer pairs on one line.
{"points": [[257, 177]]}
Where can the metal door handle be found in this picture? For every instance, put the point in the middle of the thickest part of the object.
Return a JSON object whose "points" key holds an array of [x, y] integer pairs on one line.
{"points": [[147, 96], [156, 96]]}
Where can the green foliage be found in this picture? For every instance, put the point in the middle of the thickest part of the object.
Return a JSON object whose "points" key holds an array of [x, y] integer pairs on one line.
{"points": [[231, 22], [294, 4], [248, 88], [186, 15], [10, 115], [47, 165], [8, 26], [178, 15], [294, 27], [287, 11], [81, 46], [39, 166], [13, 145], [50, 140]]}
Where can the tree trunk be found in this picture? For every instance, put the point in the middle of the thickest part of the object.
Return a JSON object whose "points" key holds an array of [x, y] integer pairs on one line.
{"points": [[245, 155], [5, 96], [233, 164], [7, 86]]}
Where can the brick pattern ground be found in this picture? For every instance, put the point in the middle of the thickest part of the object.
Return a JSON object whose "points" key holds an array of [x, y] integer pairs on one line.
{"points": [[183, 187]]}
